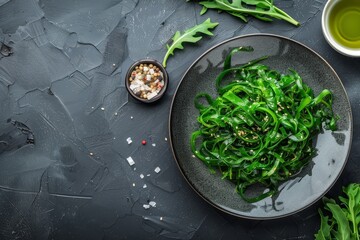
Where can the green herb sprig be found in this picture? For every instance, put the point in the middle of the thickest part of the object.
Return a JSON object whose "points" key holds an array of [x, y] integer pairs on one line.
{"points": [[343, 222], [264, 10], [190, 35]]}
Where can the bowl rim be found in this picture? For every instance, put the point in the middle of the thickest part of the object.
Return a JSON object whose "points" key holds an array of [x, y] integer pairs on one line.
{"points": [[224, 208], [165, 78], [330, 40]]}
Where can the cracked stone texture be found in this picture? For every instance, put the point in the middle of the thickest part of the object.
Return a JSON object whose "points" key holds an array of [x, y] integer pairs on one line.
{"points": [[65, 116]]}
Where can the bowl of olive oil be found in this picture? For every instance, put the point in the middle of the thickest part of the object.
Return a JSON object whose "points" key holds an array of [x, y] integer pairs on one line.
{"points": [[341, 26]]}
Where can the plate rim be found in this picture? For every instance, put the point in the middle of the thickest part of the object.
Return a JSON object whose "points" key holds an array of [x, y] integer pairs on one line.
{"points": [[218, 207]]}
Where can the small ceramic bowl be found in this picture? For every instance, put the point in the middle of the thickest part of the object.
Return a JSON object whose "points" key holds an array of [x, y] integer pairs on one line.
{"points": [[146, 80], [325, 24]]}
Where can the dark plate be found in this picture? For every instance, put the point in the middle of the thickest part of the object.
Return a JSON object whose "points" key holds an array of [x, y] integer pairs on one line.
{"points": [[333, 147]]}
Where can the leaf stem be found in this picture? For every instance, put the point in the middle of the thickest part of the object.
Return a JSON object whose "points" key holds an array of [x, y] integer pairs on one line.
{"points": [[279, 14]]}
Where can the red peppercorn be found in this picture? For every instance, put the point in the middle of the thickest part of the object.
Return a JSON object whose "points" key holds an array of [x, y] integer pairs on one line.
{"points": [[143, 142]]}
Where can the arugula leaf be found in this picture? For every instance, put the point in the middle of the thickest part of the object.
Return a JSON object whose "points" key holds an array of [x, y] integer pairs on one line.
{"points": [[203, 10], [190, 35], [324, 232], [353, 204], [264, 10], [344, 221], [343, 229]]}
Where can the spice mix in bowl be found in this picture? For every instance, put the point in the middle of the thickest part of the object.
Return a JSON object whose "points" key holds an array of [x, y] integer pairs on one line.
{"points": [[146, 80]]}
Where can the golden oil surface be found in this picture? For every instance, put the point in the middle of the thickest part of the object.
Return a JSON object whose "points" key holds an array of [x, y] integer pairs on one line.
{"points": [[344, 23]]}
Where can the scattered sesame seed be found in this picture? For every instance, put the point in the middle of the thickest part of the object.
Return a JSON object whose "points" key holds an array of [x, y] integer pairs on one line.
{"points": [[102, 109], [114, 64], [148, 175], [165, 139], [116, 114], [145, 186], [91, 154], [133, 184]]}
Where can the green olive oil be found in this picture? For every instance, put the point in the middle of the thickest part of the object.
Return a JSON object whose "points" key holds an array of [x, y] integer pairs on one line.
{"points": [[344, 23]]}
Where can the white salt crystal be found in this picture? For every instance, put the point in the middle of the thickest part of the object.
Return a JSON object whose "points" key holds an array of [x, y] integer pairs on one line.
{"points": [[146, 206], [154, 144], [134, 185], [130, 161], [151, 95], [103, 109], [138, 82], [136, 90], [145, 186], [165, 139], [141, 176], [129, 141], [152, 203], [157, 170]]}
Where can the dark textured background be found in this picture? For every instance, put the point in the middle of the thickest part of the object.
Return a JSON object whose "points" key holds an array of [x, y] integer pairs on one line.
{"points": [[65, 116]]}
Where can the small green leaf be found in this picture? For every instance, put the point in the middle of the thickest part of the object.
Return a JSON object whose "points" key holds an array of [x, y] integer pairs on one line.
{"points": [[353, 206], [203, 10], [343, 228], [324, 231], [190, 36]]}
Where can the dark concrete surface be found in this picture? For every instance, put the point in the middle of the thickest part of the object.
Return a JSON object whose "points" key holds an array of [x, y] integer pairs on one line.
{"points": [[65, 116]]}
